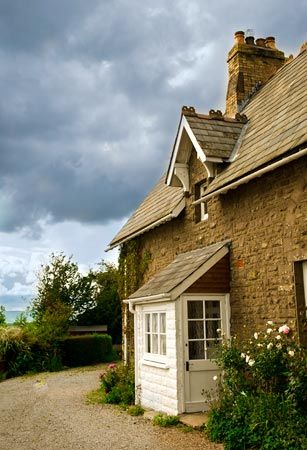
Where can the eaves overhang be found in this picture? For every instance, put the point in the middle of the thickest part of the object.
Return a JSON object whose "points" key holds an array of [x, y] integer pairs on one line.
{"points": [[175, 213]]}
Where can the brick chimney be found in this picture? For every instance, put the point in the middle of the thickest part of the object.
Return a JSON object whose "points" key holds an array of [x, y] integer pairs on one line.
{"points": [[249, 63]]}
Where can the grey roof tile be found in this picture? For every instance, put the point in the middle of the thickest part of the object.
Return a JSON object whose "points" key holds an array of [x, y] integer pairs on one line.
{"points": [[277, 122], [159, 203], [177, 271]]}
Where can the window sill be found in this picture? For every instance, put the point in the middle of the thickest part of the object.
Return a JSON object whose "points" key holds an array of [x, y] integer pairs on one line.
{"points": [[160, 365]]}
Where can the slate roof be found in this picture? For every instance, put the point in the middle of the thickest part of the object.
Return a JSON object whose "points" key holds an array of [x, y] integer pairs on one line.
{"points": [[161, 203], [183, 266], [277, 122], [217, 138]]}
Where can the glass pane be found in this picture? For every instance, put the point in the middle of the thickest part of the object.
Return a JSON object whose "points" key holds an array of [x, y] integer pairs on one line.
{"points": [[212, 309], [211, 327], [154, 343], [196, 329], [162, 322], [163, 344], [196, 350], [147, 322], [211, 349], [147, 343], [195, 310], [155, 322]]}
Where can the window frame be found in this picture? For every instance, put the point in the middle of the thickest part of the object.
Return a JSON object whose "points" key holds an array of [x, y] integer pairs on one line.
{"points": [[150, 356], [203, 206], [201, 209]]}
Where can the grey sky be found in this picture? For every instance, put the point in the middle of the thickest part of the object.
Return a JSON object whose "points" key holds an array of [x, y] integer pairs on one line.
{"points": [[91, 94]]}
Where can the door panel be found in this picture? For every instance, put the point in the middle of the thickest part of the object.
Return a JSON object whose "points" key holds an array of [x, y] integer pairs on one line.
{"points": [[204, 316]]}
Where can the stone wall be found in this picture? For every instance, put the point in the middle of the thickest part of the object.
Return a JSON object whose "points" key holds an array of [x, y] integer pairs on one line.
{"points": [[266, 222]]}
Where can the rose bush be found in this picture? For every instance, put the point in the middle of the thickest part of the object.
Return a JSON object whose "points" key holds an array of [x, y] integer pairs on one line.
{"points": [[263, 392]]}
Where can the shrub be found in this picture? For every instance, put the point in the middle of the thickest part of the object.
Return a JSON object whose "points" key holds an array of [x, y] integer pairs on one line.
{"points": [[86, 350], [163, 420], [135, 410], [117, 384], [262, 401]]}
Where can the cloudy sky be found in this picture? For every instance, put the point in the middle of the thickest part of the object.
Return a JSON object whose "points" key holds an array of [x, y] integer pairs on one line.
{"points": [[91, 93]]}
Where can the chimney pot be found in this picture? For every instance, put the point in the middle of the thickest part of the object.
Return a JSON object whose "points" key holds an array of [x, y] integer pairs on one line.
{"points": [[270, 42], [239, 37], [250, 40], [303, 47], [260, 42]]}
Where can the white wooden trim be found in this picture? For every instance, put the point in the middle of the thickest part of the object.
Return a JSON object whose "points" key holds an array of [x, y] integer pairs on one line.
{"points": [[160, 365], [256, 174], [174, 155], [194, 141]]}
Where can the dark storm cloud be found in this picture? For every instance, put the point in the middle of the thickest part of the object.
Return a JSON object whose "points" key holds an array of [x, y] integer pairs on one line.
{"points": [[91, 95]]}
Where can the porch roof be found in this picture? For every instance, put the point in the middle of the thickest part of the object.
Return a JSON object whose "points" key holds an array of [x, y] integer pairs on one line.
{"points": [[180, 274]]}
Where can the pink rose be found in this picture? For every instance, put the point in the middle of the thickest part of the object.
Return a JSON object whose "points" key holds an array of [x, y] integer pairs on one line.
{"points": [[284, 329], [112, 366]]}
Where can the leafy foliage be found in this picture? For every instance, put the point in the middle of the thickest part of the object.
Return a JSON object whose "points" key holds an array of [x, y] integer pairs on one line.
{"points": [[263, 393], [86, 350], [108, 307], [117, 384], [135, 410], [2, 315], [164, 420], [61, 281]]}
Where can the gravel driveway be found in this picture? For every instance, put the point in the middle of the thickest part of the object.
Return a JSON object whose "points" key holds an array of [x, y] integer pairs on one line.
{"points": [[49, 412]]}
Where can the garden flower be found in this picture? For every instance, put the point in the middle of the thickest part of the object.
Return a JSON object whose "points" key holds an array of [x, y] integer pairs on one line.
{"points": [[247, 358], [243, 393], [269, 346], [112, 366], [256, 335], [279, 346], [284, 329], [278, 337], [251, 362], [259, 345], [291, 352], [215, 378], [218, 330], [243, 355], [269, 330], [270, 322]]}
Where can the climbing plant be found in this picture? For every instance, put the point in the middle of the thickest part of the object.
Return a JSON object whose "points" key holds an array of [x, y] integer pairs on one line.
{"points": [[132, 266]]}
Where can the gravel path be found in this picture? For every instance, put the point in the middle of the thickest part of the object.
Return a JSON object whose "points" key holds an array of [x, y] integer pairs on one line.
{"points": [[49, 412]]}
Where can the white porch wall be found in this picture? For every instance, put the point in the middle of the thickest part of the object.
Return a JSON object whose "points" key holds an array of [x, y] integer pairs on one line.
{"points": [[157, 387]]}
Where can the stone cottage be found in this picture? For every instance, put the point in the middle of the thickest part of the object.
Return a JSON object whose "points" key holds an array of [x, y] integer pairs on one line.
{"points": [[225, 229]]}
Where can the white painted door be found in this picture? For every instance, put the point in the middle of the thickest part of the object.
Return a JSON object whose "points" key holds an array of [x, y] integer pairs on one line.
{"points": [[204, 315]]}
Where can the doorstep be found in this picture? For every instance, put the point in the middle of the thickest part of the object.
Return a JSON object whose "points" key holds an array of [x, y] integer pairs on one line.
{"points": [[195, 420]]}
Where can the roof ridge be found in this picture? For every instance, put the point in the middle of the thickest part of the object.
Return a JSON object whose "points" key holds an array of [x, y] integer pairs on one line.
{"points": [[288, 63]]}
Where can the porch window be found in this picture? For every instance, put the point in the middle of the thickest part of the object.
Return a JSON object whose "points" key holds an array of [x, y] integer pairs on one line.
{"points": [[204, 321], [155, 333]]}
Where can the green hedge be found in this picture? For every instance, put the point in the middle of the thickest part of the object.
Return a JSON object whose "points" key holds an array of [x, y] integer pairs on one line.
{"points": [[86, 350]]}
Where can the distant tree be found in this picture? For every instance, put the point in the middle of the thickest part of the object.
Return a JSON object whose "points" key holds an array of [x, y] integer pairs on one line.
{"points": [[108, 306], [61, 281], [22, 318], [2, 315]]}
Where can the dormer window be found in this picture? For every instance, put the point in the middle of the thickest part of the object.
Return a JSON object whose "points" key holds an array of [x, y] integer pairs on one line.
{"points": [[203, 205], [201, 211]]}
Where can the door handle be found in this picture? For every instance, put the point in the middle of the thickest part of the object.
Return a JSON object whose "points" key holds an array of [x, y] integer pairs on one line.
{"points": [[187, 366]]}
